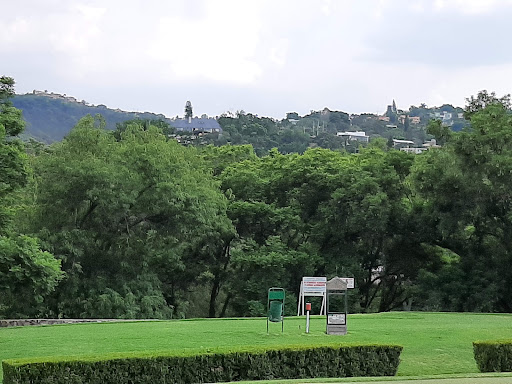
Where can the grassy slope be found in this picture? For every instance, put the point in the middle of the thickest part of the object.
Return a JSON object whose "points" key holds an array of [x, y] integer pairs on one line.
{"points": [[434, 343]]}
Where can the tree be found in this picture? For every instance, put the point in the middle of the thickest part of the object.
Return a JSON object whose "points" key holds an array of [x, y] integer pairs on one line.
{"points": [[132, 220], [482, 100], [145, 124], [348, 214], [441, 133], [6, 89], [27, 273], [292, 116], [246, 128], [188, 110], [469, 206]]}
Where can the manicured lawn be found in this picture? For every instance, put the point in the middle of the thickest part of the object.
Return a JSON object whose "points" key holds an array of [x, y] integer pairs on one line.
{"points": [[434, 343]]}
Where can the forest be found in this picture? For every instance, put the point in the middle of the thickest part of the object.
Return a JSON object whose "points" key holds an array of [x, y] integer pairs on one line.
{"points": [[130, 224]]}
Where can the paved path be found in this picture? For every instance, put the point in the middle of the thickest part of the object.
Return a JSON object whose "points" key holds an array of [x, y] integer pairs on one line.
{"points": [[473, 380], [505, 378]]}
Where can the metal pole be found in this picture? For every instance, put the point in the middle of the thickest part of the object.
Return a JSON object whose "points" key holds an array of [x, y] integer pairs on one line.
{"points": [[308, 309]]}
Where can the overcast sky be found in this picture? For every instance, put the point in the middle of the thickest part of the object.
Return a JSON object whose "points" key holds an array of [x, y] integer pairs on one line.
{"points": [[267, 57]]}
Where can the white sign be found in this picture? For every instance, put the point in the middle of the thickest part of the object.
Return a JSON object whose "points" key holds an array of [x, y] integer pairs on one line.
{"points": [[349, 281], [314, 286], [336, 318], [311, 286]]}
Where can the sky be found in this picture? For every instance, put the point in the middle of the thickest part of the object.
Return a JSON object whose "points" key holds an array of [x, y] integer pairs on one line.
{"points": [[261, 56]]}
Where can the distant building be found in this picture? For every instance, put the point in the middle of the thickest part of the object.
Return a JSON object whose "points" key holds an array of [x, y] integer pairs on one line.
{"points": [[405, 146], [432, 143], [196, 124], [355, 136], [414, 150], [402, 143], [415, 119]]}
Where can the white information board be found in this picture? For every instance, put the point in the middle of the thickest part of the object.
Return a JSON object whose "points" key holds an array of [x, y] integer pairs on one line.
{"points": [[349, 281], [311, 286], [314, 286], [337, 319]]}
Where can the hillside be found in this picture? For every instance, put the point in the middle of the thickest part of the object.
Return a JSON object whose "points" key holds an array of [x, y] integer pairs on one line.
{"points": [[50, 117]]}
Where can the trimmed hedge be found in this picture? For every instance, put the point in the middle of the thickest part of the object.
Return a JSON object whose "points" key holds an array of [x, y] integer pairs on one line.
{"points": [[208, 367], [493, 356]]}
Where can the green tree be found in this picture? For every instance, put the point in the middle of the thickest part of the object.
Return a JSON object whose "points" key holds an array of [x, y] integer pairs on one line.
{"points": [[441, 133], [27, 273], [351, 210], [482, 100], [27, 276], [129, 219], [188, 110], [145, 124], [292, 116], [469, 206]]}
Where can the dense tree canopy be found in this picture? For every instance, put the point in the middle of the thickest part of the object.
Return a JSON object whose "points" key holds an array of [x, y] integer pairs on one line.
{"points": [[125, 216], [146, 227]]}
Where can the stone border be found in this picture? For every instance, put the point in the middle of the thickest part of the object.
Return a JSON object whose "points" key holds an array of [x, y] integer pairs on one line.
{"points": [[28, 322]]}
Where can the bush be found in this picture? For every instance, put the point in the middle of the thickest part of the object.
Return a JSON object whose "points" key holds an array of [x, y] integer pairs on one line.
{"points": [[493, 356], [229, 365]]}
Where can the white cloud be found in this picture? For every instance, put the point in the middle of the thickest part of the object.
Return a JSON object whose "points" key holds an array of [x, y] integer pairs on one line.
{"points": [[471, 6], [265, 57], [15, 32], [221, 45], [326, 7]]}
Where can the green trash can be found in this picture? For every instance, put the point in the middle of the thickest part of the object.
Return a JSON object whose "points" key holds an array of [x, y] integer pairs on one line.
{"points": [[275, 306], [275, 313]]}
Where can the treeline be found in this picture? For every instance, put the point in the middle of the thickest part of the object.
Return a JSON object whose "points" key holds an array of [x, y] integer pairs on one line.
{"points": [[129, 224], [49, 118], [318, 129]]}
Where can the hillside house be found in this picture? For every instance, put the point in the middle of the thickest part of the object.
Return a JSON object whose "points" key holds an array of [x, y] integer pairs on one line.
{"points": [[405, 146], [402, 143], [196, 125], [415, 150], [355, 136]]}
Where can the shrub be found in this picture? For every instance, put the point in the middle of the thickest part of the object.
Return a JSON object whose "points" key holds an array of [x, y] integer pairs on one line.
{"points": [[217, 366], [493, 356]]}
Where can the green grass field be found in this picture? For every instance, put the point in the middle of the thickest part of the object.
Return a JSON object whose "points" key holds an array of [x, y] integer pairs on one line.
{"points": [[434, 343]]}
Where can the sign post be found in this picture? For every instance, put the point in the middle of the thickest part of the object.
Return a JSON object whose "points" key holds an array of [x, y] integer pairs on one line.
{"points": [[336, 316], [308, 309]]}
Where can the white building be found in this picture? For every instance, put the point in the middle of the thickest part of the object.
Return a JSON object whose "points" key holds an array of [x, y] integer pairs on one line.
{"points": [[414, 150], [355, 136], [402, 143]]}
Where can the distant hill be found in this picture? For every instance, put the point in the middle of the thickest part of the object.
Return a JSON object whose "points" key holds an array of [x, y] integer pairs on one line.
{"points": [[51, 116]]}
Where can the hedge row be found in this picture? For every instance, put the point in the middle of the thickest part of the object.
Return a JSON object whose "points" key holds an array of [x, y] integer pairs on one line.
{"points": [[493, 356], [209, 367]]}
